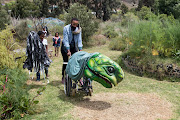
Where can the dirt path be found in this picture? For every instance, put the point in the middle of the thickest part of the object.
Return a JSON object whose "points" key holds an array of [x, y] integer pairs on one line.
{"points": [[125, 106]]}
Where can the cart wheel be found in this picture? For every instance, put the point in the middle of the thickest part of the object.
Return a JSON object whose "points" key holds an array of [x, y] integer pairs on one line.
{"points": [[67, 85]]}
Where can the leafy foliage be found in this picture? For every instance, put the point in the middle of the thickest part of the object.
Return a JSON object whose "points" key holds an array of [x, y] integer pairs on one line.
{"points": [[102, 8], [145, 13], [87, 22], [22, 30], [119, 43], [124, 9], [168, 7], [25, 8], [4, 17], [55, 29], [43, 8], [149, 35], [14, 101], [14, 97], [109, 32], [148, 3], [97, 40], [129, 18], [7, 45]]}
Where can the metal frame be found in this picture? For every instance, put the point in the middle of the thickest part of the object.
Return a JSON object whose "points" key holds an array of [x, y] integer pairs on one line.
{"points": [[71, 88]]}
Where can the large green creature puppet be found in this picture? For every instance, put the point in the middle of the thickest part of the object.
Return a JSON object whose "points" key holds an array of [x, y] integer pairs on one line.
{"points": [[94, 66]]}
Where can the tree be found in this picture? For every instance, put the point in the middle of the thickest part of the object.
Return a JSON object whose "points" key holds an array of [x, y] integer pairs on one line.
{"points": [[24, 8], [89, 26], [4, 18], [168, 7], [124, 9], [59, 7], [176, 11], [148, 3], [44, 8], [103, 8]]}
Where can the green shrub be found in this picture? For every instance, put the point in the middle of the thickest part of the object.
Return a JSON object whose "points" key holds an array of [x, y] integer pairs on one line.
{"points": [[145, 13], [9, 5], [87, 21], [4, 17], [159, 35], [128, 19], [119, 43], [14, 99], [124, 9], [55, 29], [110, 32], [97, 40], [7, 45], [115, 17], [22, 30], [62, 17]]}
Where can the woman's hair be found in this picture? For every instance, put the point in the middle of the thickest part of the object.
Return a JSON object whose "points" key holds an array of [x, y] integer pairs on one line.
{"points": [[40, 33], [56, 33]]}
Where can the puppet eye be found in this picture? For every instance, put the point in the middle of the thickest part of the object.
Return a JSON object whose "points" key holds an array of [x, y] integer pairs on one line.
{"points": [[111, 69]]}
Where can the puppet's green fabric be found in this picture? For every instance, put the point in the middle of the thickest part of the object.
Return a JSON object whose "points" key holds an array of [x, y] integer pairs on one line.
{"points": [[95, 66]]}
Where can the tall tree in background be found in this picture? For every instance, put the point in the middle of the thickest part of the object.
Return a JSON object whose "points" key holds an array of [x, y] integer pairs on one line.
{"points": [[67, 5], [103, 8], [44, 8], [148, 3], [4, 17], [57, 7], [168, 7], [25, 8]]}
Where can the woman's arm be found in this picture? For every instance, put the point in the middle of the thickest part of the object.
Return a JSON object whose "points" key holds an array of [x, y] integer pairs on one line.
{"points": [[80, 45]]}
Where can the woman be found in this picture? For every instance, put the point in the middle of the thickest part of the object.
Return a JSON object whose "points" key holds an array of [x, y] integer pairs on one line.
{"points": [[45, 44], [56, 43]]}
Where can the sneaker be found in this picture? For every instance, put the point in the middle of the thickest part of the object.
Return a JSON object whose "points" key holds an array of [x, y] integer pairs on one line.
{"points": [[47, 81], [47, 76]]}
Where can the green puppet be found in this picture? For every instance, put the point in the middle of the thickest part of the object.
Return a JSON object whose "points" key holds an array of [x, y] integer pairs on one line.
{"points": [[94, 66]]}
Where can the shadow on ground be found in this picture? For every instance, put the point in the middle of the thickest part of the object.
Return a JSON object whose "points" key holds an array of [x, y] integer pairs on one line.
{"points": [[81, 100], [55, 83]]}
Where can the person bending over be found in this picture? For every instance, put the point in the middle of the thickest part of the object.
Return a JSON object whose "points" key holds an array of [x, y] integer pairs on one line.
{"points": [[72, 42]]}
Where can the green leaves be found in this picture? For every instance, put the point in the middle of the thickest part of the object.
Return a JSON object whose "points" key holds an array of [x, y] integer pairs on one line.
{"points": [[15, 99], [168, 7], [25, 8], [36, 102], [4, 17]]}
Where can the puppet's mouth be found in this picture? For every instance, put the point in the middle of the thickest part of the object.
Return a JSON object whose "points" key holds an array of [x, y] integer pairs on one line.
{"points": [[101, 76]]}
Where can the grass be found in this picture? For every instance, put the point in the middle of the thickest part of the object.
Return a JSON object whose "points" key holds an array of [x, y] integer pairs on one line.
{"points": [[54, 105]]}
